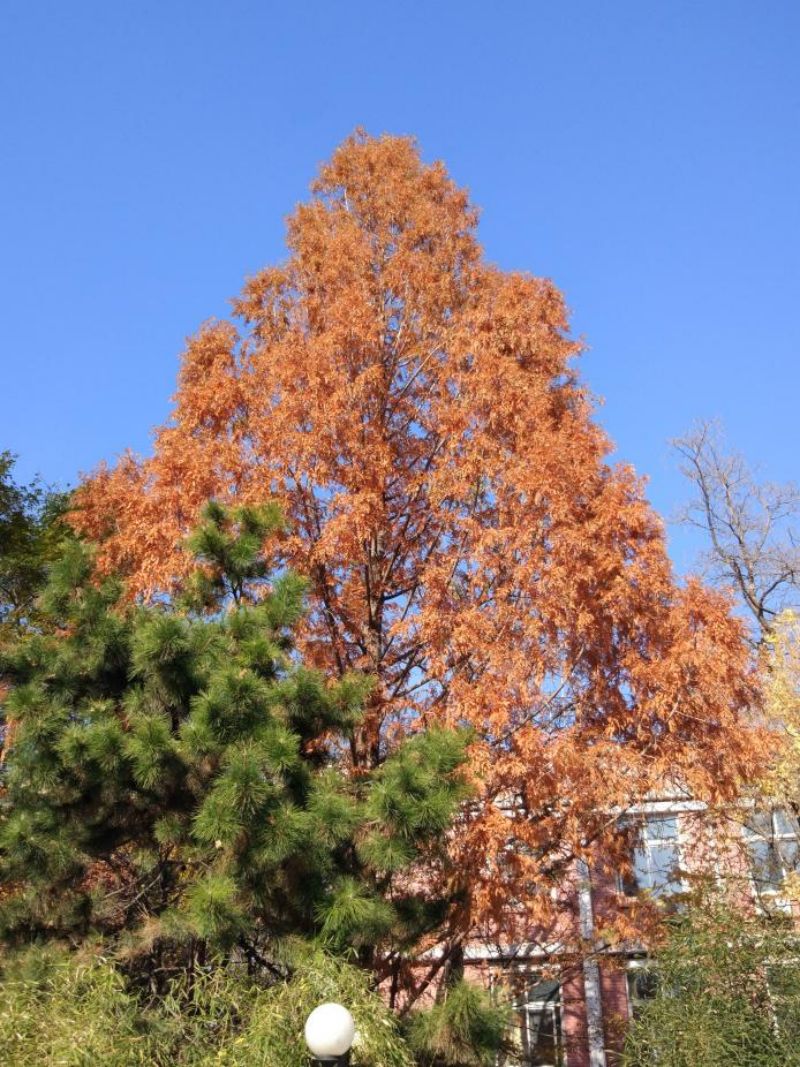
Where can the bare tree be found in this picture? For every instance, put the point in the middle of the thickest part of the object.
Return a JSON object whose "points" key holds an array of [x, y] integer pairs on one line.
{"points": [[753, 526]]}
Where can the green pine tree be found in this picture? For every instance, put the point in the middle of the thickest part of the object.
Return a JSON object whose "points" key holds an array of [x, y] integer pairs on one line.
{"points": [[176, 789], [31, 537]]}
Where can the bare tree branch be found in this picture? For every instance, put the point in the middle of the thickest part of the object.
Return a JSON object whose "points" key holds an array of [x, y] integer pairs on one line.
{"points": [[753, 527]]}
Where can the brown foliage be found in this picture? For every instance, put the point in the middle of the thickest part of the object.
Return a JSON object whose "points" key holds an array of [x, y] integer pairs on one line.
{"points": [[417, 412]]}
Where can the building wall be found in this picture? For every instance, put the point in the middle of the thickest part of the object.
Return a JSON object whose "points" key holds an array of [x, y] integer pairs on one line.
{"points": [[703, 847]]}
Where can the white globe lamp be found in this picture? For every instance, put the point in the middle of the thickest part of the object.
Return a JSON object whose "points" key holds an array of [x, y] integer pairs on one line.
{"points": [[330, 1031]]}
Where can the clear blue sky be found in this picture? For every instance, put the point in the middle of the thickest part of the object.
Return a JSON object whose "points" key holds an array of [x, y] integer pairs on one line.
{"points": [[645, 155]]}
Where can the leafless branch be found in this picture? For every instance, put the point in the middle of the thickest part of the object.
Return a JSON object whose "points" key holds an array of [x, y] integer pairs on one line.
{"points": [[753, 526]]}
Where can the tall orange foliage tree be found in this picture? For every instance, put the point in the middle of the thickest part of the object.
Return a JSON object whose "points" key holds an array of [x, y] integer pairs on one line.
{"points": [[417, 412]]}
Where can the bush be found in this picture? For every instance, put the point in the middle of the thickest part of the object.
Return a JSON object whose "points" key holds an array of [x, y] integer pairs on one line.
{"points": [[467, 1028], [66, 1011], [726, 993], [71, 1012]]}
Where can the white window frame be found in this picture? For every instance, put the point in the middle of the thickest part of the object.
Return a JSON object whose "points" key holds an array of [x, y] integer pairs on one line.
{"points": [[772, 895], [633, 965], [529, 1007], [652, 814]]}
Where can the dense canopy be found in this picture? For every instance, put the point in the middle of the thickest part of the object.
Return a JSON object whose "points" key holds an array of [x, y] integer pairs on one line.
{"points": [[418, 415]]}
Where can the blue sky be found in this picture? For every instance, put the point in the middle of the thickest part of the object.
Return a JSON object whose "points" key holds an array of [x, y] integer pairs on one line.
{"points": [[644, 155]]}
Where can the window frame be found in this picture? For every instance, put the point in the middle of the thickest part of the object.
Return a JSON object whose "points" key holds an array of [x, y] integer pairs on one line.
{"points": [[529, 1010], [629, 884], [642, 965], [761, 889]]}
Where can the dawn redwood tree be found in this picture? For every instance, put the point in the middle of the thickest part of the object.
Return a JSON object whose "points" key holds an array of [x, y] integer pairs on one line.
{"points": [[468, 544]]}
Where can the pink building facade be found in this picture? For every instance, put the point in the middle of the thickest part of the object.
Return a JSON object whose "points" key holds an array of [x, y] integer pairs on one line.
{"points": [[577, 1016]]}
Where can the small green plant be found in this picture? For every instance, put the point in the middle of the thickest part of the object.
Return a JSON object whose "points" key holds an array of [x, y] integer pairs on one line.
{"points": [[466, 1028]]}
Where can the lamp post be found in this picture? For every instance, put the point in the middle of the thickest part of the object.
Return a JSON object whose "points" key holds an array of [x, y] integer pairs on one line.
{"points": [[330, 1031]]}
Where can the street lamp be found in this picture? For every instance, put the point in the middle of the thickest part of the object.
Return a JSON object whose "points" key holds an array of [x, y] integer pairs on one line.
{"points": [[330, 1031]]}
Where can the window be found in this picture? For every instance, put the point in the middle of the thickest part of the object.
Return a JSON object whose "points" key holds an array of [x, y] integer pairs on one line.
{"points": [[536, 1036], [656, 858], [773, 844], [642, 986]]}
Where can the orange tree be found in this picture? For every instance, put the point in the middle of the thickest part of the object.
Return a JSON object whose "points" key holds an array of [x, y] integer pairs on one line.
{"points": [[417, 414]]}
